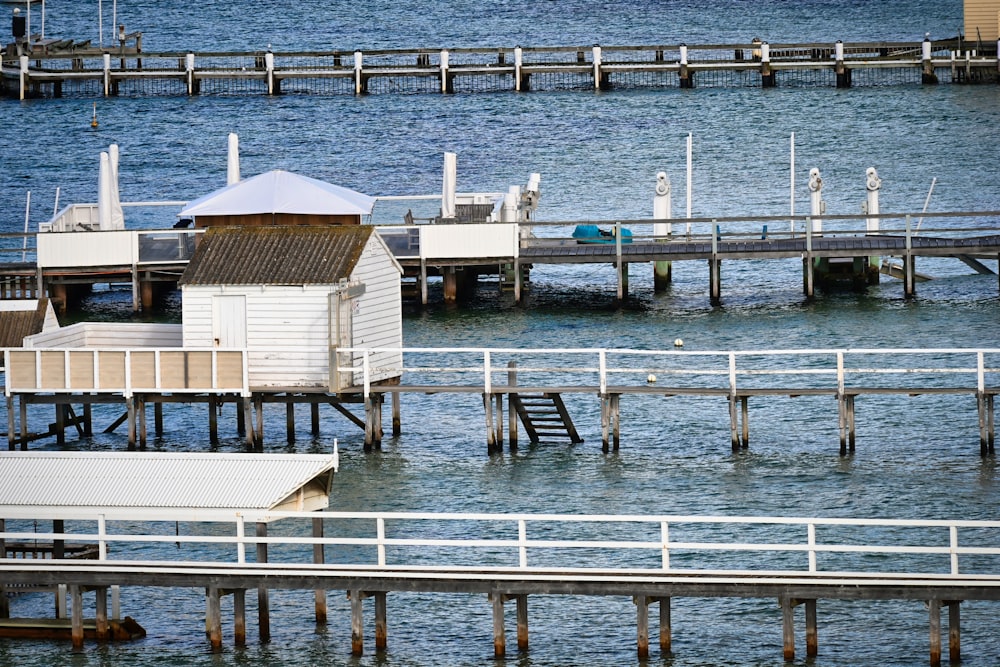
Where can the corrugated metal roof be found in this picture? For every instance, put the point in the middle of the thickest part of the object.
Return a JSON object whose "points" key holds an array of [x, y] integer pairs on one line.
{"points": [[16, 324], [276, 255], [156, 480]]}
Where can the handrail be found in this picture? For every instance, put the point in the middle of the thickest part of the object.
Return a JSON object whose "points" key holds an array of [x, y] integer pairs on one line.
{"points": [[838, 370], [566, 543]]}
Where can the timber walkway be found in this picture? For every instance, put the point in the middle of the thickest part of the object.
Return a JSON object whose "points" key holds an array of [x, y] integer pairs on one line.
{"points": [[135, 378], [57, 264], [650, 558], [458, 70]]}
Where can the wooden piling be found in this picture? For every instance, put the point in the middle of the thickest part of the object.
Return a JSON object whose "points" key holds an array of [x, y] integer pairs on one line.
{"points": [[319, 558], [812, 632], [381, 627], [491, 443], [157, 418], [263, 600], [934, 608], [213, 421], [788, 628], [954, 631], [60, 424], [259, 410], [213, 618], [102, 627], [522, 622], [642, 626], [499, 636], [77, 617], [397, 423], [715, 281], [314, 419], [10, 422], [745, 414], [140, 402], [240, 617], [357, 624], [290, 421], [665, 627]]}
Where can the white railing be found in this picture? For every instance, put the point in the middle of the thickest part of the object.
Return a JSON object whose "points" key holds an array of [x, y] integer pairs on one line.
{"points": [[125, 371], [553, 543], [839, 370]]}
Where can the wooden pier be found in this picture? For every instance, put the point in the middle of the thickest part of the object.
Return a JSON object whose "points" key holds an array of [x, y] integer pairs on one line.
{"points": [[151, 261], [515, 68], [137, 378], [651, 559]]}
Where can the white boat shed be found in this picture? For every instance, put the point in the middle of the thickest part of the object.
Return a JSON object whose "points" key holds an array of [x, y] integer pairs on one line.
{"points": [[293, 296]]}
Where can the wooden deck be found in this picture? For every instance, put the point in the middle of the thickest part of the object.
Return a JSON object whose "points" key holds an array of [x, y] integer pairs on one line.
{"points": [[498, 68]]}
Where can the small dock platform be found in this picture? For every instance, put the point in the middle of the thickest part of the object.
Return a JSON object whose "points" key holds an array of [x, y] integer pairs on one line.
{"points": [[44, 73]]}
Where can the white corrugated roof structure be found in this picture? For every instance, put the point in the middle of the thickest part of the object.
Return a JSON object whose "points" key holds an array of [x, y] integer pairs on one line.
{"points": [[280, 192], [164, 481]]}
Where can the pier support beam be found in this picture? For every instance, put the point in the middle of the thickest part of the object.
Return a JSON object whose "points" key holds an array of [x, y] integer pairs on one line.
{"points": [[357, 623], [812, 633], [665, 627], [954, 631], [240, 617], [928, 76], [499, 636], [715, 281], [845, 409], [610, 422], [642, 626], [381, 627], [76, 631], [319, 558], [263, 600], [522, 622], [934, 607], [987, 423], [213, 618], [102, 628], [788, 628]]}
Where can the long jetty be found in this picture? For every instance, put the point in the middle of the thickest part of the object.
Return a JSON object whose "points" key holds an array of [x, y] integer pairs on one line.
{"points": [[53, 264], [50, 72], [527, 384], [651, 559]]}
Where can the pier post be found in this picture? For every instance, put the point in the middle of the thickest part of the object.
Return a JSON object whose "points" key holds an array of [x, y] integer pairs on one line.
{"points": [[843, 74], [189, 72], [258, 404], [447, 81], [715, 281], [141, 409], [522, 621], [927, 76], [213, 618], [213, 421], [665, 628], [397, 423], [314, 419], [290, 421], [601, 81], [872, 185], [10, 422], [812, 635], [520, 80], [272, 87], [101, 613], [60, 424], [934, 607], [788, 628], [511, 410], [360, 82], [357, 623], [642, 626], [130, 411], [954, 631], [240, 617], [686, 76], [491, 442], [157, 418], [23, 77], [76, 632], [263, 600], [319, 558], [499, 636], [767, 78], [107, 74], [381, 627], [4, 600], [909, 278]]}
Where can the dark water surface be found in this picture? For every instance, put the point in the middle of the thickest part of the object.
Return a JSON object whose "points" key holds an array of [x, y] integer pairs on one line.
{"points": [[598, 154]]}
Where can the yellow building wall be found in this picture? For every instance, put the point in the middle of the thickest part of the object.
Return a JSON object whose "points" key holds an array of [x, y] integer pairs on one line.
{"points": [[982, 20]]}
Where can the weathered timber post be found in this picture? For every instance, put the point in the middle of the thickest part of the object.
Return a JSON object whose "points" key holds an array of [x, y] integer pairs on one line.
{"points": [[290, 421], [843, 74], [213, 618], [661, 230], [272, 83], [522, 81], [102, 627], [522, 621], [140, 401], [787, 628], [934, 607], [76, 631], [686, 75], [240, 617], [381, 628], [665, 628], [157, 418], [10, 422], [447, 80], [601, 80], [130, 411], [499, 636], [767, 77], [192, 85], [927, 76], [954, 631], [319, 558], [23, 77], [909, 279], [642, 626], [259, 410], [213, 421], [357, 623], [450, 284], [314, 418], [491, 441], [812, 635], [397, 424], [511, 411], [60, 424], [360, 80], [263, 601], [4, 600]]}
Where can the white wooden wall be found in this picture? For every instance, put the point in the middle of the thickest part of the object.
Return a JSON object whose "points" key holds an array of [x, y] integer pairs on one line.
{"points": [[288, 326], [109, 334], [463, 241], [114, 248]]}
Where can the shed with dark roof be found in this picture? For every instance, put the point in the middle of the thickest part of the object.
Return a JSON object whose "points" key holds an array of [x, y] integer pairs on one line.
{"points": [[295, 297]]}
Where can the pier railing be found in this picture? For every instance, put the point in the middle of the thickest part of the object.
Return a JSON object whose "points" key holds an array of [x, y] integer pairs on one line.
{"points": [[568, 544], [836, 371], [125, 371]]}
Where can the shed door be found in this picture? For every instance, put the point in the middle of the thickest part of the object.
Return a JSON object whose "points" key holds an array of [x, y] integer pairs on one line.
{"points": [[229, 320], [341, 335]]}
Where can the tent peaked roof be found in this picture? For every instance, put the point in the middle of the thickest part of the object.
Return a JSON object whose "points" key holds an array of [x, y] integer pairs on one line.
{"points": [[281, 191]]}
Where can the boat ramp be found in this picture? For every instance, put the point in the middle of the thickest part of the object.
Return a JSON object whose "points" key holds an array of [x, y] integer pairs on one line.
{"points": [[128, 70]]}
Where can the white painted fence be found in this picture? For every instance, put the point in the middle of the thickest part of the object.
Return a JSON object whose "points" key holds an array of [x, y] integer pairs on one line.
{"points": [[555, 543], [838, 370]]}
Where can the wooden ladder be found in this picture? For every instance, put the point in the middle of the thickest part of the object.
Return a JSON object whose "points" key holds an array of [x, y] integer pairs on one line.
{"points": [[544, 416]]}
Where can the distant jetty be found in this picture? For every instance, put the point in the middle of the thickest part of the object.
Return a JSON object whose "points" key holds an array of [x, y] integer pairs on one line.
{"points": [[55, 68]]}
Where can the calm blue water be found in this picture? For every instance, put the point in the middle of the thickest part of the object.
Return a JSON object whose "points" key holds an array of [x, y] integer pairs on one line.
{"points": [[598, 154]]}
